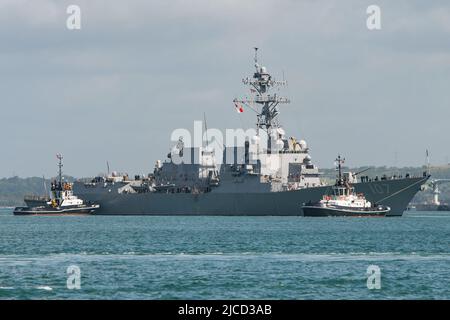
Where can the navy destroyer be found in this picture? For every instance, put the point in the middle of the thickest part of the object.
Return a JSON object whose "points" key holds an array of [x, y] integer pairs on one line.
{"points": [[250, 180]]}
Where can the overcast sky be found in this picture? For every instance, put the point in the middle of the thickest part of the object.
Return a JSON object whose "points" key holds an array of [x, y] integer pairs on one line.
{"points": [[136, 70]]}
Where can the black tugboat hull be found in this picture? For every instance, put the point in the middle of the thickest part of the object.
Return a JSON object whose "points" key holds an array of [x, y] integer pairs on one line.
{"points": [[316, 211], [26, 211]]}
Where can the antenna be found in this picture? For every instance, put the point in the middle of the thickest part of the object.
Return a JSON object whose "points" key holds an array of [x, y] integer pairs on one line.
{"points": [[266, 116], [59, 188], [428, 161], [339, 162], [45, 185], [60, 165], [206, 128], [396, 169], [107, 167]]}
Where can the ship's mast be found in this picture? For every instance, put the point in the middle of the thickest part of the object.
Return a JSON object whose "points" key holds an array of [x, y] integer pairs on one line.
{"points": [[45, 185], [261, 84], [60, 165], [339, 162], [59, 187]]}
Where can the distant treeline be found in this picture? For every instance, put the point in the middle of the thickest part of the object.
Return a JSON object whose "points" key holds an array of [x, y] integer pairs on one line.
{"points": [[12, 190]]}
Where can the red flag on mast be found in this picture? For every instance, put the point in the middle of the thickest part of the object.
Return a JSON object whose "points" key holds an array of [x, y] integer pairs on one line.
{"points": [[238, 107]]}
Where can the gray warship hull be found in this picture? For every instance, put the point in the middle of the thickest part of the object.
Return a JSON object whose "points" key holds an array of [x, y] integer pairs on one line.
{"points": [[396, 194]]}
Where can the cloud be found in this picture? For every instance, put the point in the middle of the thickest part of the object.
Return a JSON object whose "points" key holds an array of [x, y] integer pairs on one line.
{"points": [[138, 69]]}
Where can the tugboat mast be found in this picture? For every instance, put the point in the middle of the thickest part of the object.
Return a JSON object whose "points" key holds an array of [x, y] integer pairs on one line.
{"points": [[339, 162], [60, 165], [59, 187]]}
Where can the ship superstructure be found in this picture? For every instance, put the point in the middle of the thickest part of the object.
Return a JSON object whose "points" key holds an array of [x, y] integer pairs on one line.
{"points": [[285, 162], [270, 174]]}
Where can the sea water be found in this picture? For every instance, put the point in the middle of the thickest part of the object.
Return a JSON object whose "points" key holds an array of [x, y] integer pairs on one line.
{"points": [[206, 257]]}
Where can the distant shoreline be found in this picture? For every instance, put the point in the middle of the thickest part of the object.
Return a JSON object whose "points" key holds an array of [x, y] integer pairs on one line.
{"points": [[13, 190]]}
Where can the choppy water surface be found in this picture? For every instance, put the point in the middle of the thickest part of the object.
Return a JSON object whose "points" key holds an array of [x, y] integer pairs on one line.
{"points": [[144, 257]]}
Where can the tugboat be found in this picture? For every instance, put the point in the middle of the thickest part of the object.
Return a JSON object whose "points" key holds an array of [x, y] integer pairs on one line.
{"points": [[62, 202], [344, 201]]}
